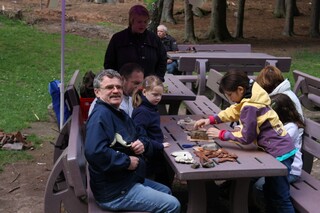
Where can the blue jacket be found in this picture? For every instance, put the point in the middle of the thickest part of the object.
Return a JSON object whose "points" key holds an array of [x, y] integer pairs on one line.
{"points": [[144, 49], [108, 166], [147, 117]]}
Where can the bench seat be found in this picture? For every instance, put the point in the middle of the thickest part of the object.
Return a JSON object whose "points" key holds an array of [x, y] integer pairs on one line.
{"points": [[307, 88], [305, 193], [202, 105]]}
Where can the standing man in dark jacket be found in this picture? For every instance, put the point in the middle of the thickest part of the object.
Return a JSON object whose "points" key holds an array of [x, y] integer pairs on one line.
{"points": [[170, 44], [114, 149], [137, 44]]}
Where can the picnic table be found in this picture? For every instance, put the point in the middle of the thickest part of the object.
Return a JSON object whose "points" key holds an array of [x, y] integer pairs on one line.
{"points": [[223, 61], [250, 163], [175, 94]]}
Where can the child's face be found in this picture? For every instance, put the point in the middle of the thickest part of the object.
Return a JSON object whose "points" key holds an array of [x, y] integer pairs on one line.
{"points": [[235, 96], [154, 96]]}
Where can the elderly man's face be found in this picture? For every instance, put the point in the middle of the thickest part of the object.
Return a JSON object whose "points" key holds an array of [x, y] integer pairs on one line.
{"points": [[161, 33], [139, 24], [110, 91], [132, 83]]}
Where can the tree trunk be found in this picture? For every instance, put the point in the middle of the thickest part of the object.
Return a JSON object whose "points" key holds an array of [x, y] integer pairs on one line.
{"points": [[218, 25], [240, 18], [155, 14], [279, 10], [167, 12], [189, 23], [288, 27], [314, 19]]}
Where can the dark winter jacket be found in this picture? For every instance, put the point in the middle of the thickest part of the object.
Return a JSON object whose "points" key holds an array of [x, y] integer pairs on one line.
{"points": [[145, 49], [169, 43], [108, 165], [147, 117]]}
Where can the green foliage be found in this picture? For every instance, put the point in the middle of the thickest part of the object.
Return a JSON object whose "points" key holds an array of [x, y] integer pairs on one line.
{"points": [[149, 3]]}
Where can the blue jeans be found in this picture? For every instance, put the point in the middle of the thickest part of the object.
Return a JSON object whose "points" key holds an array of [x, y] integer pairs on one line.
{"points": [[172, 68], [277, 192], [149, 196]]}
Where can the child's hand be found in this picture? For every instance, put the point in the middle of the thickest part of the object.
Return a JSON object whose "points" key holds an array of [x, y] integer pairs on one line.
{"points": [[166, 144], [137, 147], [201, 123], [213, 132]]}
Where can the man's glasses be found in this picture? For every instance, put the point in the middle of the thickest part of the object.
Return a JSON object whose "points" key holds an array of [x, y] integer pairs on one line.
{"points": [[112, 87]]}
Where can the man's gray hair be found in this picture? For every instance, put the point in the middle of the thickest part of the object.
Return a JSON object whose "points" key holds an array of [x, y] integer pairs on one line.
{"points": [[162, 27], [110, 73]]}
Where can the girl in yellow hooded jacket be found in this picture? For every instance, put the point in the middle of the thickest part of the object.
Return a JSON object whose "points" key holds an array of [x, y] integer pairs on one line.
{"points": [[259, 124]]}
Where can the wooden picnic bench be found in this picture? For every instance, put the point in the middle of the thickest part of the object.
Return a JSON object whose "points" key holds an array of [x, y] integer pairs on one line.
{"points": [[215, 47], [305, 193], [189, 79], [72, 99], [67, 188], [202, 104], [307, 88], [201, 62]]}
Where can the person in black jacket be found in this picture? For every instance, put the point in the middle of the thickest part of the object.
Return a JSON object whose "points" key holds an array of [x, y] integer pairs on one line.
{"points": [[115, 150], [137, 44], [170, 44]]}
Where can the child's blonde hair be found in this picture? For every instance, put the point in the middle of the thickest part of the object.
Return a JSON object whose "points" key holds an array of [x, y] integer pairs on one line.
{"points": [[148, 84]]}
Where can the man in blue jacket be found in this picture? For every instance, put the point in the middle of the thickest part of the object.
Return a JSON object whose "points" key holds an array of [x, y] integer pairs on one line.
{"points": [[115, 152]]}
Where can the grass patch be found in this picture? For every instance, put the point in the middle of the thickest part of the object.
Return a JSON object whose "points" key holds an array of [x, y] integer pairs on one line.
{"points": [[7, 157], [29, 60]]}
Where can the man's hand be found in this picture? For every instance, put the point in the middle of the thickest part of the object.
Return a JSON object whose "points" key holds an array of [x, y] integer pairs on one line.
{"points": [[137, 147], [134, 162]]}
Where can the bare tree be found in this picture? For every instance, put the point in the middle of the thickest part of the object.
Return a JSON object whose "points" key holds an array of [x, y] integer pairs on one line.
{"points": [[167, 12], [155, 12], [240, 18], [218, 25], [189, 23], [289, 23], [314, 19]]}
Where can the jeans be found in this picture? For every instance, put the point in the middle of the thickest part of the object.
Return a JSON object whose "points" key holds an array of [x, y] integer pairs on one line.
{"points": [[172, 68], [277, 192], [149, 196]]}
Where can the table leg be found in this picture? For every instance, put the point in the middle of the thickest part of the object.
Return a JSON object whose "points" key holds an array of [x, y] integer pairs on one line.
{"points": [[162, 109], [174, 108], [197, 197], [239, 195]]}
